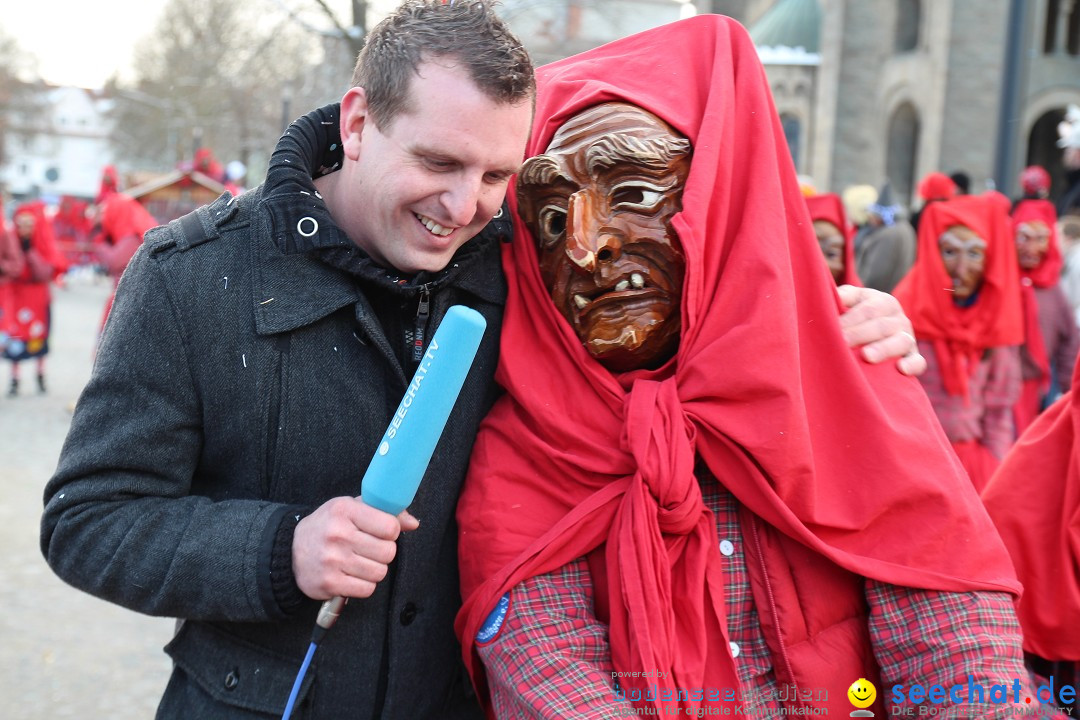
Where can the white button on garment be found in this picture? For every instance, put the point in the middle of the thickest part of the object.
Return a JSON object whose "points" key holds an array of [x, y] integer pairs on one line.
{"points": [[734, 649], [726, 548]]}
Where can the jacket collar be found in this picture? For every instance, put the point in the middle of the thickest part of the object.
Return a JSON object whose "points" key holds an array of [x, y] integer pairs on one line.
{"points": [[291, 290]]}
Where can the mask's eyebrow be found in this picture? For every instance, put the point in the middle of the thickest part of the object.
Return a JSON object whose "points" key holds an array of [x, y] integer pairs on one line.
{"points": [[950, 236], [655, 153], [542, 170]]}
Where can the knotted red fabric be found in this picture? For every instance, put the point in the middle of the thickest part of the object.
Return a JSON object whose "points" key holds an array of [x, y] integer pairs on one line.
{"points": [[830, 207], [961, 334], [1044, 276], [1034, 499], [763, 389]]}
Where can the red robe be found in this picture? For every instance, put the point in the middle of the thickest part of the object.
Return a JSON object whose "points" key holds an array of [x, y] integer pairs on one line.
{"points": [[763, 389], [1034, 499]]}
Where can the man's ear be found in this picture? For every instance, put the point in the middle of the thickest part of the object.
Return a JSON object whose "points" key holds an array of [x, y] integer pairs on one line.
{"points": [[354, 116]]}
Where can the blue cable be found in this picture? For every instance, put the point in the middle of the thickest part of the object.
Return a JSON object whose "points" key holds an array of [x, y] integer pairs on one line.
{"points": [[299, 681]]}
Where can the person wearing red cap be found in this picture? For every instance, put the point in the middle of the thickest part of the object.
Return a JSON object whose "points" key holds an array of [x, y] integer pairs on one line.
{"points": [[1034, 500], [669, 511], [963, 297], [934, 187], [1051, 339], [26, 316], [835, 236], [1034, 183]]}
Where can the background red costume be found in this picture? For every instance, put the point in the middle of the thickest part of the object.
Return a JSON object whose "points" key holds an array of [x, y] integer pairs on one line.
{"points": [[26, 298], [830, 207], [1050, 334], [1034, 499], [973, 347]]}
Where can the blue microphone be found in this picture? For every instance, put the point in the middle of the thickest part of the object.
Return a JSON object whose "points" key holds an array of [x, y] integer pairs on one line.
{"points": [[401, 459]]}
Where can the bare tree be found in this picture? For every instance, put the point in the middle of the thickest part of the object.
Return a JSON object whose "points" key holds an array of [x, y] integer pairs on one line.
{"points": [[217, 74], [19, 93]]}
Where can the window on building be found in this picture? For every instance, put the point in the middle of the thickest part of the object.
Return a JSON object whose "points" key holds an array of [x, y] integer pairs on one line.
{"points": [[1053, 8], [907, 25], [903, 143], [792, 131], [1072, 42]]}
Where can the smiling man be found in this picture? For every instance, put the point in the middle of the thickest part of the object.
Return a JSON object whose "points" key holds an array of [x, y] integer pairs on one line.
{"points": [[255, 354]]}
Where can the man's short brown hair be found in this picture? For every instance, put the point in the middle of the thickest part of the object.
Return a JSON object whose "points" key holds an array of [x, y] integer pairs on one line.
{"points": [[468, 32]]}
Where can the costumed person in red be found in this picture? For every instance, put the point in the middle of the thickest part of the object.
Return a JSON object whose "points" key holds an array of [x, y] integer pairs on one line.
{"points": [[110, 184], [668, 512], [1034, 499], [963, 297], [11, 267], [1034, 184], [1051, 339], [26, 315], [124, 221], [835, 235], [72, 228]]}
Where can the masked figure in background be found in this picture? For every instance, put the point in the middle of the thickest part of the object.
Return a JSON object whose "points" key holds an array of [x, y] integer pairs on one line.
{"points": [[1050, 334], [670, 489], [123, 222], [27, 298], [963, 297], [835, 236]]}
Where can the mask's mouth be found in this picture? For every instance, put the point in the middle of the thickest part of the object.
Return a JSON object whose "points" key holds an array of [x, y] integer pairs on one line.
{"points": [[632, 286]]}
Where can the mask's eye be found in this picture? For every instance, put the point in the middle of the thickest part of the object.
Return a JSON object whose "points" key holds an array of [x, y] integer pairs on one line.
{"points": [[636, 196], [552, 221]]}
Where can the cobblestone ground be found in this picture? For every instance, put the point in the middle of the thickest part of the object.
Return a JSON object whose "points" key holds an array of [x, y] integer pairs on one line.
{"points": [[63, 653]]}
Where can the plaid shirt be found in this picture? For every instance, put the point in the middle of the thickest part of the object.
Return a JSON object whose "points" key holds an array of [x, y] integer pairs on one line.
{"points": [[550, 659], [986, 416]]}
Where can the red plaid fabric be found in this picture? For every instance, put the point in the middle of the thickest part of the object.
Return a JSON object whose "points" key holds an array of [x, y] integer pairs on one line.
{"points": [[985, 417], [550, 659]]}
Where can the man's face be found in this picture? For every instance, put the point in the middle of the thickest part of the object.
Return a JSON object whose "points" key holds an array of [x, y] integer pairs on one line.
{"points": [[599, 203], [419, 188], [832, 246], [1032, 243], [964, 255]]}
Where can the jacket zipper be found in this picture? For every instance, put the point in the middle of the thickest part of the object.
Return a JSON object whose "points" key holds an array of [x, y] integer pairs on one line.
{"points": [[423, 310]]}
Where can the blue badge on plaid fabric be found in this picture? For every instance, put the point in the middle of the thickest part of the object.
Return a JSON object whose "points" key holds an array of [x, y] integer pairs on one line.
{"points": [[494, 620]]}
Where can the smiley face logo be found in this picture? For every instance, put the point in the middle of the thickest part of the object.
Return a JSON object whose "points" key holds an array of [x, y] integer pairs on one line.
{"points": [[862, 693]]}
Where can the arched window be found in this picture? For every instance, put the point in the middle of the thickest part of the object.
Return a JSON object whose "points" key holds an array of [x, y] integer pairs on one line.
{"points": [[903, 142], [907, 25], [792, 133]]}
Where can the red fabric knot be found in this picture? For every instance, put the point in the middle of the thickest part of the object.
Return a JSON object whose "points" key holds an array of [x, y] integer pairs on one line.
{"points": [[655, 432]]}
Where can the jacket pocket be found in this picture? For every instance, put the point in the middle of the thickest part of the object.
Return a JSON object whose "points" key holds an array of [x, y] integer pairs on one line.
{"points": [[232, 672]]}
